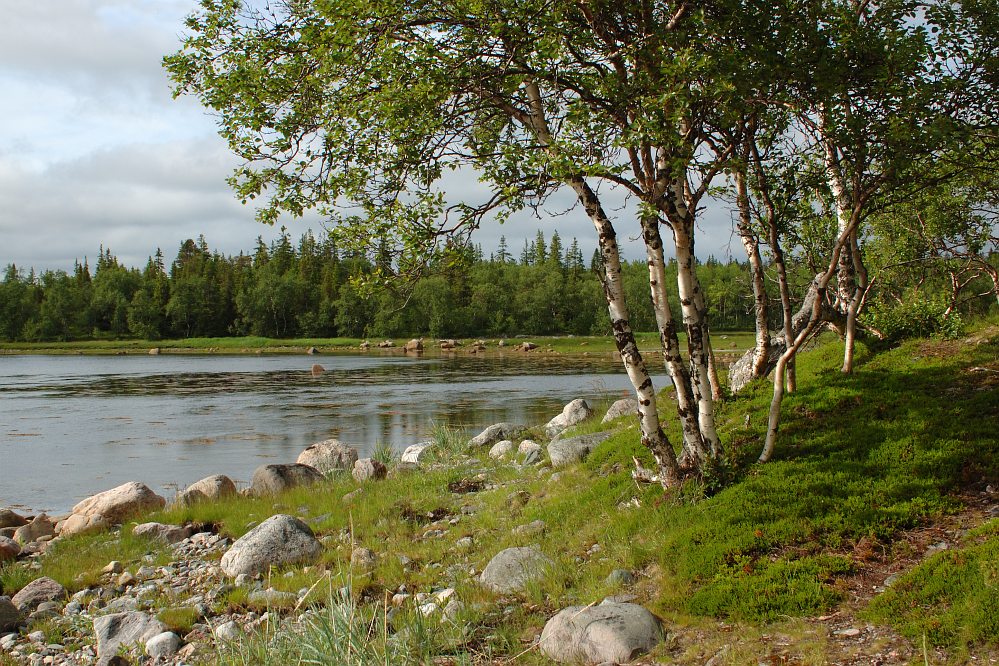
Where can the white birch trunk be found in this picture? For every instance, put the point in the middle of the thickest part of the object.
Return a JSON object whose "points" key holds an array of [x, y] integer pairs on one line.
{"points": [[752, 246]]}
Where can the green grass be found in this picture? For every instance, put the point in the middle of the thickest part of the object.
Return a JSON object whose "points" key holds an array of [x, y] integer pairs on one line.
{"points": [[861, 457]]}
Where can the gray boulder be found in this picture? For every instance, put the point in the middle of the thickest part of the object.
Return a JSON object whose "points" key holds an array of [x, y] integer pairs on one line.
{"points": [[10, 519], [9, 549], [495, 433], [280, 539], [623, 407], [217, 486], [123, 629], [512, 569], [273, 479], [608, 633], [163, 646], [329, 455], [120, 503], [501, 449], [572, 414], [10, 617], [37, 591], [167, 533], [565, 452], [369, 469]]}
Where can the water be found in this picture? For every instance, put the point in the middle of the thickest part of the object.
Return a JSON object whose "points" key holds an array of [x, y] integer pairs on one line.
{"points": [[71, 426]]}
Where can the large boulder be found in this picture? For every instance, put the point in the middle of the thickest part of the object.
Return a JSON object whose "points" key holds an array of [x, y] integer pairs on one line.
{"points": [[512, 569], [78, 524], [414, 345], [565, 452], [273, 479], [572, 414], [123, 629], [40, 527], [10, 519], [328, 456], [9, 549], [10, 617], [38, 591], [215, 487], [280, 539], [623, 407], [608, 633], [495, 433], [119, 504]]}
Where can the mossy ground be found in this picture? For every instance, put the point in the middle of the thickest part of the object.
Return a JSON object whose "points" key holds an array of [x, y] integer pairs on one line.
{"points": [[862, 461]]}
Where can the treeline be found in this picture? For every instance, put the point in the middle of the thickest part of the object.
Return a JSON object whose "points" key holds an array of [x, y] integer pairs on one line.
{"points": [[311, 289]]}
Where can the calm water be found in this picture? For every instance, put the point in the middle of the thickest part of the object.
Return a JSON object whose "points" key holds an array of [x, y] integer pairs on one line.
{"points": [[71, 426]]}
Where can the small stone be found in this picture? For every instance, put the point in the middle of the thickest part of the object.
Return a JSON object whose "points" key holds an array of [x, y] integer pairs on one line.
{"points": [[510, 570], [369, 469], [163, 646], [363, 558], [36, 592], [228, 631], [619, 577], [36, 637], [530, 529], [399, 599], [464, 543], [851, 632], [501, 449], [414, 454], [113, 567]]}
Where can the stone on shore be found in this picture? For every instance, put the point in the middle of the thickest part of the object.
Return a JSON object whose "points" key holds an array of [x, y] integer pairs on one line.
{"points": [[328, 456], [123, 629], [501, 449], [565, 452], [9, 549], [415, 454], [78, 524], [623, 407], [510, 570], [10, 617], [495, 433], [163, 646], [572, 414], [38, 591], [369, 469], [414, 345], [273, 479], [213, 487], [120, 503], [166, 533], [280, 539], [608, 633], [40, 527], [10, 519]]}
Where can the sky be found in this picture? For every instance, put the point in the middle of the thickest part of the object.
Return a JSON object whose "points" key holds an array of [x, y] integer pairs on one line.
{"points": [[94, 151]]}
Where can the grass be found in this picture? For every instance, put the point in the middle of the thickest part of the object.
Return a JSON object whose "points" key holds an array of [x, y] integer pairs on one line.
{"points": [[860, 460]]}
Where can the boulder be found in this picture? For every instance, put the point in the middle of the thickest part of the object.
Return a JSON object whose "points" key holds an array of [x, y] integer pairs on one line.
{"points": [[163, 646], [9, 550], [495, 433], [317, 369], [118, 629], [608, 633], [38, 591], [273, 479], [415, 345], [501, 449], [328, 456], [415, 454], [369, 469], [280, 539], [10, 617], [10, 519], [623, 407], [527, 346], [120, 503], [575, 449], [510, 570], [213, 487], [40, 527], [78, 524], [166, 533], [527, 446], [155, 351], [572, 414]]}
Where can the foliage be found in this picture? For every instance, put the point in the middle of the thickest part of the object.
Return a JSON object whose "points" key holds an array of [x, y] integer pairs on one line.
{"points": [[914, 317]]}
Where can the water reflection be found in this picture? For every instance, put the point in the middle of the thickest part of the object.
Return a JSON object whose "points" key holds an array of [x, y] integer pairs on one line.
{"points": [[71, 426]]}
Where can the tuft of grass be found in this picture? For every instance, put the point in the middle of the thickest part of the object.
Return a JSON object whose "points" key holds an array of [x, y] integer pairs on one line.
{"points": [[179, 619]]}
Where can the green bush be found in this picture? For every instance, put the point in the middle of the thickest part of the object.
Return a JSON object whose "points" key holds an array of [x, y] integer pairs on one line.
{"points": [[914, 318]]}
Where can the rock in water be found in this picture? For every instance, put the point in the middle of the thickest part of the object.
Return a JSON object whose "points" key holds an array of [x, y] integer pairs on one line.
{"points": [[38, 591], [329, 455], [575, 449], [572, 414], [117, 629], [213, 487], [118, 504], [624, 407], [608, 633], [280, 539], [510, 570], [273, 479]]}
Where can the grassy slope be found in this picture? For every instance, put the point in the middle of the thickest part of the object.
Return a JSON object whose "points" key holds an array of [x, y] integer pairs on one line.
{"points": [[861, 459]]}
